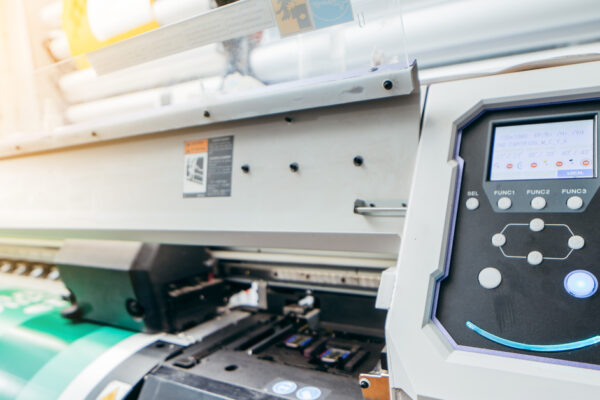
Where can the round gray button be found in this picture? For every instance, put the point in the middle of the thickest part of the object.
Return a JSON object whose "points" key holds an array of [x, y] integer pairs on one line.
{"points": [[498, 240], [504, 203], [576, 242], [489, 278], [538, 203], [537, 225], [535, 258], [575, 202], [472, 203]]}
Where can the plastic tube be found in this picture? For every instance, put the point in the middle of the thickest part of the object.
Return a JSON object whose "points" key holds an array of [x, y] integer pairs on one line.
{"points": [[85, 85]]}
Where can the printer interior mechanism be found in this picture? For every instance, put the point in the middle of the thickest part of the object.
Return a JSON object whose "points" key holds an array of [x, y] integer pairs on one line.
{"points": [[233, 251]]}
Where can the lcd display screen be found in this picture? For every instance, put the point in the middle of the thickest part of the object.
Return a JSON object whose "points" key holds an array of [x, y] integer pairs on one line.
{"points": [[550, 150]]}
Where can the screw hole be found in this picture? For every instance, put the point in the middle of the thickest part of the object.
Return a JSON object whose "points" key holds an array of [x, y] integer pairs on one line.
{"points": [[388, 85], [358, 161], [289, 120], [231, 367], [206, 114]]}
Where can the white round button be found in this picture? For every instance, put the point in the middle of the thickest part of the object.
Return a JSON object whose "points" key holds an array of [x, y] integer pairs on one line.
{"points": [[472, 203], [538, 203], [576, 242], [537, 225], [504, 203], [498, 240], [535, 258], [489, 278], [575, 202]]}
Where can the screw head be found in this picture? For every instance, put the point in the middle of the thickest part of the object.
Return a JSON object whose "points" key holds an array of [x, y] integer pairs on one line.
{"points": [[388, 85], [134, 308], [364, 383]]}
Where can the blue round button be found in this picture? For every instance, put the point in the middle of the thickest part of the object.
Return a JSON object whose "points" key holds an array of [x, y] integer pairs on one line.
{"points": [[284, 387], [308, 393], [581, 284]]}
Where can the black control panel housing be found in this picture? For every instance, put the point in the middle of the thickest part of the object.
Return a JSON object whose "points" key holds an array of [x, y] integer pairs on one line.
{"points": [[531, 304]]}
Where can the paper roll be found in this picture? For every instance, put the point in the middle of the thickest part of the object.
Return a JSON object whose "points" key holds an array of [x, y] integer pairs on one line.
{"points": [[51, 15], [171, 11], [109, 18], [59, 44], [85, 85], [148, 100]]}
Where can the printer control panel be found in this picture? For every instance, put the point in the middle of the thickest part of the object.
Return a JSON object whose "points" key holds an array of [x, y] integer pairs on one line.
{"points": [[524, 258]]}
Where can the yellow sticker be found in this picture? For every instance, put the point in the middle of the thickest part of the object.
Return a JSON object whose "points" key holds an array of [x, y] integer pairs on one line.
{"points": [[293, 16], [115, 390]]}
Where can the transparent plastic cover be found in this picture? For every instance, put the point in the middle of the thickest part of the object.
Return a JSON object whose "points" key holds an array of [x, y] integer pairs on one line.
{"points": [[72, 62]]}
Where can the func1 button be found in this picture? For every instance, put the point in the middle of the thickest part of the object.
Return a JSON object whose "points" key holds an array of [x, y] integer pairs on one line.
{"points": [[581, 284], [504, 203]]}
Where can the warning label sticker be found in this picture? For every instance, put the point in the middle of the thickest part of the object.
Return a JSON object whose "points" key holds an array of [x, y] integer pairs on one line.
{"points": [[207, 167]]}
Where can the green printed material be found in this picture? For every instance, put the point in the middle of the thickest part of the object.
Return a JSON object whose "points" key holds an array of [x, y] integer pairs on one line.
{"points": [[41, 352]]}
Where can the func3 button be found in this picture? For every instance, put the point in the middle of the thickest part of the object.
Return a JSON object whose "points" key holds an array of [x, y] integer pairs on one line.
{"points": [[575, 202]]}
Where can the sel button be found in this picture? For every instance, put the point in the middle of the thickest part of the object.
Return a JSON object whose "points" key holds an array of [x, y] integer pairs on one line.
{"points": [[538, 203], [472, 203], [575, 202], [504, 203]]}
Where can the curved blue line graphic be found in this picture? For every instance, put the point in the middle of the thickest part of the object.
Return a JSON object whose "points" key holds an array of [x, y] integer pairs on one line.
{"points": [[547, 348]]}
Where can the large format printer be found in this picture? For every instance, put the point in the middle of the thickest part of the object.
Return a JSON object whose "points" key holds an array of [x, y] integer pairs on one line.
{"points": [[377, 233]]}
